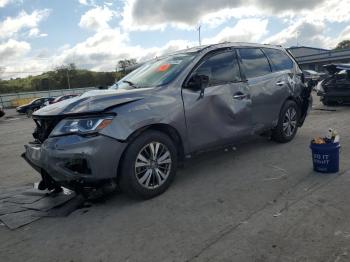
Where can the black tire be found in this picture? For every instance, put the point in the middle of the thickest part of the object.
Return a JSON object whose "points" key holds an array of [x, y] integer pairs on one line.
{"points": [[128, 182], [29, 113], [279, 134], [326, 102]]}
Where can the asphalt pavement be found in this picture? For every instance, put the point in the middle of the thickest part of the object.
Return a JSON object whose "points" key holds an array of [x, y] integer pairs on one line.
{"points": [[260, 201]]}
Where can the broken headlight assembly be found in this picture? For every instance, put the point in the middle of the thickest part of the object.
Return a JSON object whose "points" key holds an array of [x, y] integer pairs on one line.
{"points": [[83, 126]]}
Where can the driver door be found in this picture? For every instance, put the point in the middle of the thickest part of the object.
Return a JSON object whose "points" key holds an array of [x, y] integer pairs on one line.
{"points": [[223, 114]]}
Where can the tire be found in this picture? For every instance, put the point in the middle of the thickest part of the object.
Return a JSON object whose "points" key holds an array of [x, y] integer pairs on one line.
{"points": [[29, 113], [141, 176], [286, 129], [326, 102]]}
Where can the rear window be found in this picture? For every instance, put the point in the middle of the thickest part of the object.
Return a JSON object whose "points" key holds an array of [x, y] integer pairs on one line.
{"points": [[254, 62], [280, 61]]}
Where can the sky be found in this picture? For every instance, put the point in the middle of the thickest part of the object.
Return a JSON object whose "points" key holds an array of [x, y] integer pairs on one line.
{"points": [[39, 35]]}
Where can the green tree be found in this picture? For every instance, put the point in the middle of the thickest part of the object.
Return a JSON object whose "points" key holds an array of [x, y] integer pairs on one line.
{"points": [[123, 65], [343, 45]]}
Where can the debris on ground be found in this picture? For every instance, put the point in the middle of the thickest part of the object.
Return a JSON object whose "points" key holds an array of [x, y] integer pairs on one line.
{"points": [[24, 205]]}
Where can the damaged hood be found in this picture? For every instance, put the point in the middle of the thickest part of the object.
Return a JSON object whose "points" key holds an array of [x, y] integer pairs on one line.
{"points": [[335, 68], [95, 101]]}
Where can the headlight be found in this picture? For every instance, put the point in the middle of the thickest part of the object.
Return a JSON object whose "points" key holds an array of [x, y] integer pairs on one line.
{"points": [[81, 125]]}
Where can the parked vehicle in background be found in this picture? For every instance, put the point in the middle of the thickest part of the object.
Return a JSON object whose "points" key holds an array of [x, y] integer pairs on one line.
{"points": [[61, 98], [335, 89], [2, 112], [34, 105], [171, 107], [311, 77]]}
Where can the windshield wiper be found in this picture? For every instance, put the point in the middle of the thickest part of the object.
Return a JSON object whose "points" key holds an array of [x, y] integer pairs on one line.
{"points": [[130, 83]]}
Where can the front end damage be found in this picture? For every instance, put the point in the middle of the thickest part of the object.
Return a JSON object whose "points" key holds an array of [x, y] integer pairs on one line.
{"points": [[66, 152], [74, 161]]}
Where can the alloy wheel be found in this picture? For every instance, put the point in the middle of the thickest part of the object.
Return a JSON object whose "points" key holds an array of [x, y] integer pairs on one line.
{"points": [[153, 165], [290, 122]]}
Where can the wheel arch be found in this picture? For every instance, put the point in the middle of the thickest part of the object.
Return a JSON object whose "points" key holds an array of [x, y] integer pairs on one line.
{"points": [[170, 131], [298, 102]]}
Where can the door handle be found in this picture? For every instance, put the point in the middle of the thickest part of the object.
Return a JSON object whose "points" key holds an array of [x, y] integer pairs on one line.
{"points": [[240, 96], [280, 83]]}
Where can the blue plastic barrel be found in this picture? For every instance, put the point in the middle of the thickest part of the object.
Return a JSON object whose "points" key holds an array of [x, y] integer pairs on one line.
{"points": [[326, 157]]}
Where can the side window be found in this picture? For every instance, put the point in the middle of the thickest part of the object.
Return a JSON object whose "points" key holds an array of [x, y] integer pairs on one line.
{"points": [[280, 60], [254, 62], [220, 68]]}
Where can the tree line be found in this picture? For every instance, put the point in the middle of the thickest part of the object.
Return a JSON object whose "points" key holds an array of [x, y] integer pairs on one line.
{"points": [[66, 76]]}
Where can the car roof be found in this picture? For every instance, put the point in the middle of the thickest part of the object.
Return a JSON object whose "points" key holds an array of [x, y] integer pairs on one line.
{"points": [[225, 45], [207, 48]]}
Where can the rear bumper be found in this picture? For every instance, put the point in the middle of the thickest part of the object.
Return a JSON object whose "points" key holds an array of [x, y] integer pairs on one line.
{"points": [[74, 159]]}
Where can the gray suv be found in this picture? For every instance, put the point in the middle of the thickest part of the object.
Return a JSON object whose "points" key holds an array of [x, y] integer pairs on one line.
{"points": [[135, 134]]}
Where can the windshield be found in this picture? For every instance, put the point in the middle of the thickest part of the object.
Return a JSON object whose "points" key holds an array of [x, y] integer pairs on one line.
{"points": [[35, 101], [156, 72]]}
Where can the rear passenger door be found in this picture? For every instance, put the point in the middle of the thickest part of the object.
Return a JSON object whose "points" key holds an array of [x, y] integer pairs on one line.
{"points": [[267, 85], [283, 77]]}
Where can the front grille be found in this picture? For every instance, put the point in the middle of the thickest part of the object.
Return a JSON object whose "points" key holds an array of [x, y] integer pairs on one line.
{"points": [[44, 127]]}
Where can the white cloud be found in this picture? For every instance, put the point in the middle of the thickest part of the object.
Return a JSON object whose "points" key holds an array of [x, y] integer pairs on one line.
{"points": [[103, 50], [87, 2], [35, 32], [12, 49], [155, 14], [96, 18], [245, 30], [4, 2], [304, 32], [11, 26], [331, 11]]}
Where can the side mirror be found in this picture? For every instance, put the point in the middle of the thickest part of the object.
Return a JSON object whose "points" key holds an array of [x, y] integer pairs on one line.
{"points": [[198, 82]]}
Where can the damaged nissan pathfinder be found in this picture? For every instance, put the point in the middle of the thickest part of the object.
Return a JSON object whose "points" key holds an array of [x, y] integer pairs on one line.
{"points": [[135, 134]]}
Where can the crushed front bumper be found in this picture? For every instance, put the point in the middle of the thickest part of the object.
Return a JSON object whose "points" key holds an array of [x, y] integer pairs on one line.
{"points": [[75, 159]]}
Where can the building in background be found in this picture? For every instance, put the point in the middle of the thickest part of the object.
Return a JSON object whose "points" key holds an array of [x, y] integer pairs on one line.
{"points": [[315, 58]]}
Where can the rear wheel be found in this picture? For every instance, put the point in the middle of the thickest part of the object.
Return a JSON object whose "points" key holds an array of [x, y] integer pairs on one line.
{"points": [[287, 126], [149, 165], [326, 102]]}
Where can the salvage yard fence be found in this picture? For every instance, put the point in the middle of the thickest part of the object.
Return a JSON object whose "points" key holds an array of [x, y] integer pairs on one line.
{"points": [[16, 99]]}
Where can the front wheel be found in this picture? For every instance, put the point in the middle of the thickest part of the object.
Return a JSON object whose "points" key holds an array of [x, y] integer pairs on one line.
{"points": [[29, 113], [149, 165], [287, 126]]}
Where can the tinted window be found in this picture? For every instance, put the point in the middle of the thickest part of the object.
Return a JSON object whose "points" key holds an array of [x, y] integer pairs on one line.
{"points": [[220, 68], [254, 62], [37, 102], [280, 61]]}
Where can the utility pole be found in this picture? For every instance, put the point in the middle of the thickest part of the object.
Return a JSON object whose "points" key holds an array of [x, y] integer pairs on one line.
{"points": [[199, 35], [68, 78]]}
